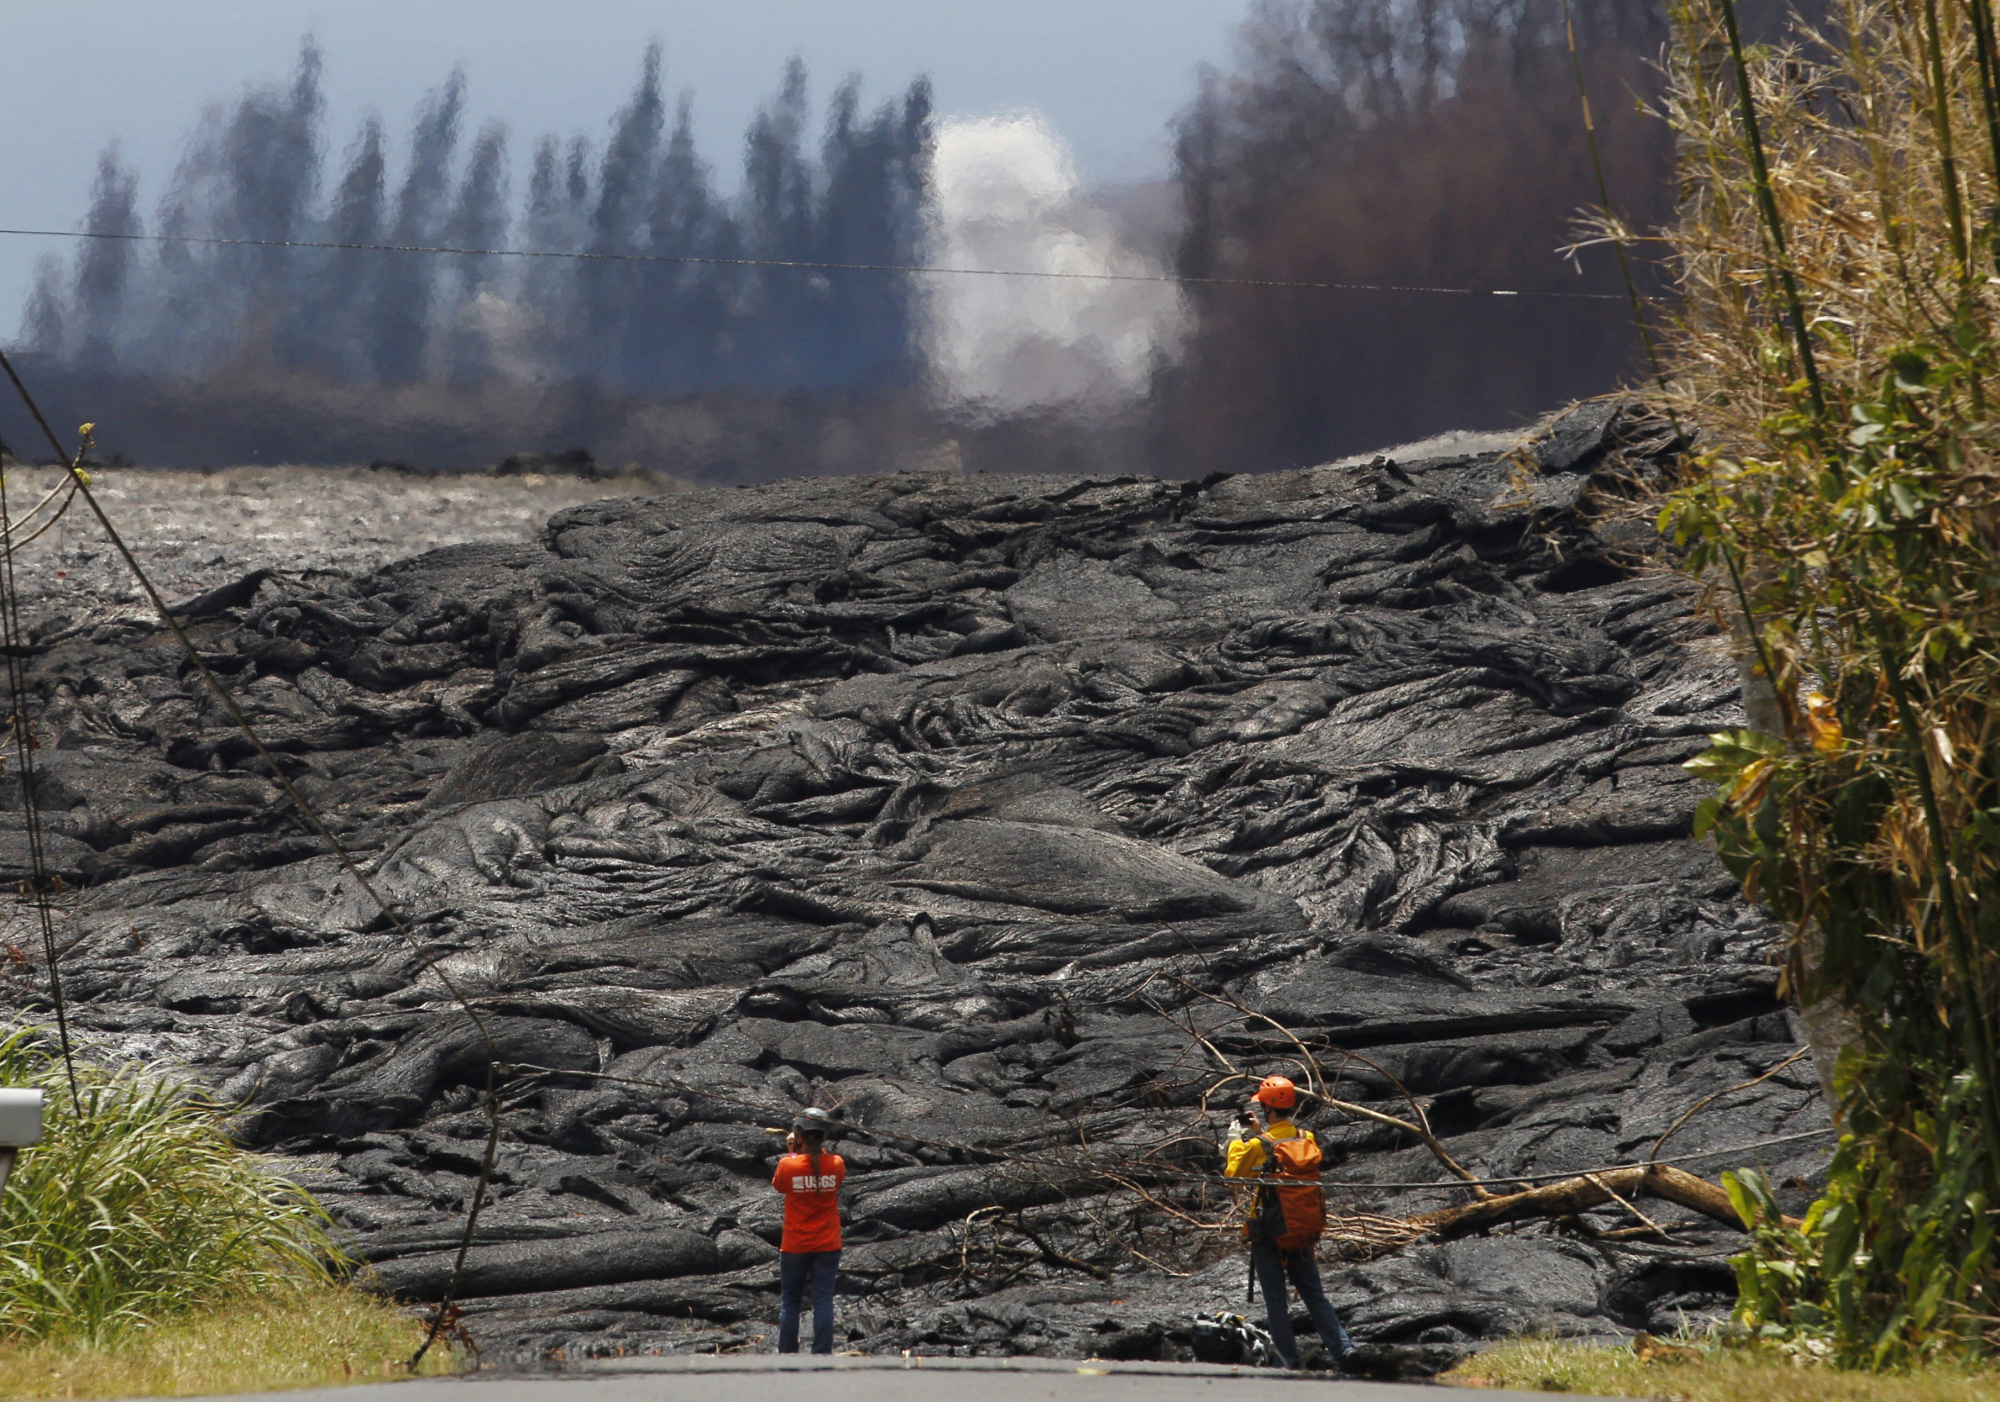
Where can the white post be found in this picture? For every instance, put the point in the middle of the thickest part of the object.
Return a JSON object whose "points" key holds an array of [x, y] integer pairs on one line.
{"points": [[20, 1126]]}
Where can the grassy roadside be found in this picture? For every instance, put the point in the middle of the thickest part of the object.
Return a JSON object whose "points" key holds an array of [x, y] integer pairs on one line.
{"points": [[1695, 1374], [317, 1336], [143, 1253]]}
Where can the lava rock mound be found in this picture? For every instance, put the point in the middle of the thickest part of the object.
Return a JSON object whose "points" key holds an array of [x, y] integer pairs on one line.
{"points": [[978, 809]]}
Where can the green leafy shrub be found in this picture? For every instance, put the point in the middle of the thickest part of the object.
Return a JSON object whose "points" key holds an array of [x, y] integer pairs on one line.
{"points": [[1779, 1286], [1837, 347], [137, 1208]]}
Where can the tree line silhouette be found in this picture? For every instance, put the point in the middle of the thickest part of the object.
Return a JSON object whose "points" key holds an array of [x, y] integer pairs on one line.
{"points": [[1434, 142], [255, 171]]}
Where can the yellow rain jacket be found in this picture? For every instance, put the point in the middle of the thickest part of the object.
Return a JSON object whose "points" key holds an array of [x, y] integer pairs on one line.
{"points": [[1246, 1156]]}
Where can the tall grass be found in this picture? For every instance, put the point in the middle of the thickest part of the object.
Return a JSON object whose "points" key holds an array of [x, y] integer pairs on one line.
{"points": [[1837, 345], [136, 1208]]}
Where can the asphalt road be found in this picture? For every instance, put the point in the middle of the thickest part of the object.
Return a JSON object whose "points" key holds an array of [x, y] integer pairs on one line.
{"points": [[878, 1380]]}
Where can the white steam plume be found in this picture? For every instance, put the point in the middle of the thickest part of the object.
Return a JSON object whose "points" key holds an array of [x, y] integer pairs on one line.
{"points": [[1007, 196]]}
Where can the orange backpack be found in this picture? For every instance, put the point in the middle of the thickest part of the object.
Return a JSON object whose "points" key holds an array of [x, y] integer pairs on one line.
{"points": [[1291, 1208]]}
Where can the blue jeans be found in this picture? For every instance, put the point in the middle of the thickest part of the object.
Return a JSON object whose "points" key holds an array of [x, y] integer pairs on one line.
{"points": [[1272, 1267], [795, 1268]]}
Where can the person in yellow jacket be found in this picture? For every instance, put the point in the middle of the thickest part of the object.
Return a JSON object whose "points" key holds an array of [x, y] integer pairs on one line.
{"points": [[1270, 1110]]}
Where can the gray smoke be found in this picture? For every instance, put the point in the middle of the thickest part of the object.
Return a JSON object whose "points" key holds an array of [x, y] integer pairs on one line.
{"points": [[1007, 196], [471, 316]]}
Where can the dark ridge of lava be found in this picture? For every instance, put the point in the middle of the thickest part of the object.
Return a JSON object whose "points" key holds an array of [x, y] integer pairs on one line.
{"points": [[942, 800]]}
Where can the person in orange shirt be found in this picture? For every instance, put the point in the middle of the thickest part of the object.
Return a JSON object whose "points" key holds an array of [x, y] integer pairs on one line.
{"points": [[810, 1179]]}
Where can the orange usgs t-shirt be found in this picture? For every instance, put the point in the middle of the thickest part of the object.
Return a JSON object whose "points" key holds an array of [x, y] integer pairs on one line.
{"points": [[812, 1202]]}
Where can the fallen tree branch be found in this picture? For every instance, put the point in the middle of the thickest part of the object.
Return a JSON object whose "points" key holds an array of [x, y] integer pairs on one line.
{"points": [[1573, 1195], [1423, 1126], [1418, 1128], [1362, 1236], [1049, 1253], [1625, 1203]]}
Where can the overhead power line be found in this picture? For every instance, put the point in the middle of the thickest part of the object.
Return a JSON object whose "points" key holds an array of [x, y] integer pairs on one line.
{"points": [[808, 266]]}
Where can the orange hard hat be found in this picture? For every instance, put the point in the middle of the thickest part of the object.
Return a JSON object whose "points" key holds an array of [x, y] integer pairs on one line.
{"points": [[1277, 1092]]}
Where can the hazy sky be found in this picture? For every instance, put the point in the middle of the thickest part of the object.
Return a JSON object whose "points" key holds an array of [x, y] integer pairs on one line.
{"points": [[80, 73]]}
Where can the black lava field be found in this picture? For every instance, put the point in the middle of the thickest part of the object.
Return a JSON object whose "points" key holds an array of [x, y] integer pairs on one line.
{"points": [[1003, 815]]}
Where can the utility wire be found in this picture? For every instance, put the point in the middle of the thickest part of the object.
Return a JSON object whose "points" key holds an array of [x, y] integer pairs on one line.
{"points": [[38, 888], [1002, 1156], [221, 693], [1692, 1157], [694, 1091], [703, 260], [497, 1073]]}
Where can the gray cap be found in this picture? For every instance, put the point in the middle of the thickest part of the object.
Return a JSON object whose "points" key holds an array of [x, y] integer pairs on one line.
{"points": [[813, 1121]]}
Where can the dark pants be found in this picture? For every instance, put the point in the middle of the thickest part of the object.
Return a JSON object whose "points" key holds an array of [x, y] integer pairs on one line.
{"points": [[795, 1268], [1272, 1267]]}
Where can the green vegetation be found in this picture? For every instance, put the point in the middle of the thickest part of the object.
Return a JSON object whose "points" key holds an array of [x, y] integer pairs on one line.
{"points": [[1837, 348], [142, 1252], [137, 1208], [310, 1336], [1704, 1372]]}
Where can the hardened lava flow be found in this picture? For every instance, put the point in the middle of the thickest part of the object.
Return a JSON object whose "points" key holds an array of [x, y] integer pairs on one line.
{"points": [[976, 810]]}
